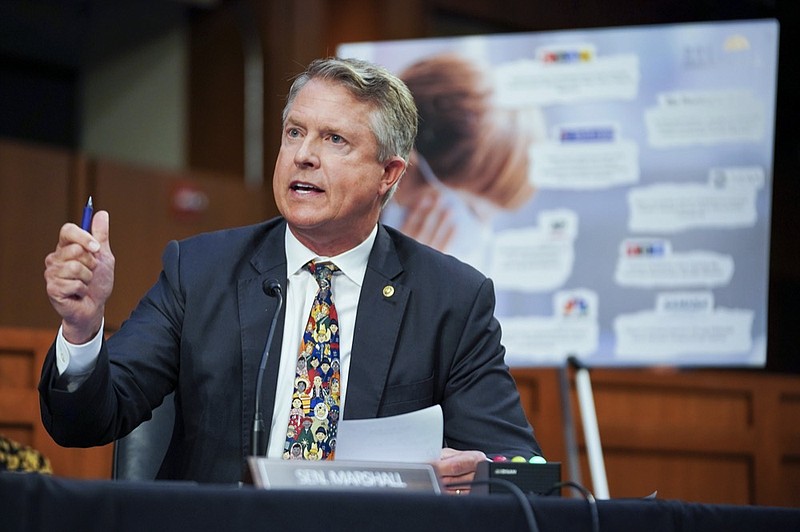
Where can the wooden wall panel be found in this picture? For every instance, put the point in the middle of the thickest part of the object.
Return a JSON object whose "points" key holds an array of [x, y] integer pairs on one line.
{"points": [[789, 408], [34, 203], [540, 396], [712, 436], [22, 352], [788, 487], [790, 481], [697, 477], [653, 406], [215, 136]]}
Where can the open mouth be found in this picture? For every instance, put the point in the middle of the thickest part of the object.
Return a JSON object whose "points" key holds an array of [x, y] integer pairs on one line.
{"points": [[305, 188]]}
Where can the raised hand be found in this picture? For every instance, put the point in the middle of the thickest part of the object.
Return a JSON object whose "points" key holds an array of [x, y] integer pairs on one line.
{"points": [[80, 277]]}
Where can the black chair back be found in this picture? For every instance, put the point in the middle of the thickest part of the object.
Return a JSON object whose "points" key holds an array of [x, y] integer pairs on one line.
{"points": [[138, 455]]}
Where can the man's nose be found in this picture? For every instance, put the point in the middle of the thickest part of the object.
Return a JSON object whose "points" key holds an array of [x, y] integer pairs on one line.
{"points": [[307, 153]]}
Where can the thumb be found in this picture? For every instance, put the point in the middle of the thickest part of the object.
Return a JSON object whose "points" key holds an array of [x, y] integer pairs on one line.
{"points": [[100, 224]]}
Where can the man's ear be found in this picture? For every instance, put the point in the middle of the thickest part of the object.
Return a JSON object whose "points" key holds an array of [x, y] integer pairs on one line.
{"points": [[392, 172]]}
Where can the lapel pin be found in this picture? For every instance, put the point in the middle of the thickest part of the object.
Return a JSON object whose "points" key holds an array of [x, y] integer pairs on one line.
{"points": [[388, 291]]}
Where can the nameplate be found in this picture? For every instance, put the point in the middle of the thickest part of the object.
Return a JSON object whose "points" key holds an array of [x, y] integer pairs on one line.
{"points": [[269, 473]]}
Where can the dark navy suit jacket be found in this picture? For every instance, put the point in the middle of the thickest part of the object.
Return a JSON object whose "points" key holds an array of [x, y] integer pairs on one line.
{"points": [[200, 331]]}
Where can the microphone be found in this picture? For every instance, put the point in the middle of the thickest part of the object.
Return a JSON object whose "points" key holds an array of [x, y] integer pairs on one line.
{"points": [[258, 443]]}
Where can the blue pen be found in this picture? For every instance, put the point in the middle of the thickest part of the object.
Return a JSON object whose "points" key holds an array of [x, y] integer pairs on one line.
{"points": [[86, 223]]}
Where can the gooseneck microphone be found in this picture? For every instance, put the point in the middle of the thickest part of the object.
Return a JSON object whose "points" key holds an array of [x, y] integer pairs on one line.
{"points": [[258, 443]]}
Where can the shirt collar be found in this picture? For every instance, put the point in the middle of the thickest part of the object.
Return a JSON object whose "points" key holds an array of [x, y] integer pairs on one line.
{"points": [[353, 262]]}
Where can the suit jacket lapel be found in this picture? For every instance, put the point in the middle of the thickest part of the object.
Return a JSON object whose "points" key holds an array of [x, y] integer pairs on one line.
{"points": [[380, 312], [256, 311]]}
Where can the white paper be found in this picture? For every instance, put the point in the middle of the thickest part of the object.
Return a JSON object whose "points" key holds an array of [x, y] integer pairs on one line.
{"points": [[413, 437]]}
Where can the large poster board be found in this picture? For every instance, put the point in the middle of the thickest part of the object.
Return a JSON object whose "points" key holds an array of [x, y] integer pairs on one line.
{"points": [[614, 183]]}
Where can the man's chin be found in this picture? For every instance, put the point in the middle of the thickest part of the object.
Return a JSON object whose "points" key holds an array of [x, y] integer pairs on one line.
{"points": [[305, 223]]}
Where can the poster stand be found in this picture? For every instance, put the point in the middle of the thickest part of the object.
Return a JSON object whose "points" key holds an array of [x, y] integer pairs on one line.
{"points": [[591, 432]]}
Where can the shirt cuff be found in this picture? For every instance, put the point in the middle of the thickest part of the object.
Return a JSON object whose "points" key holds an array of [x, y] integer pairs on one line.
{"points": [[76, 360]]}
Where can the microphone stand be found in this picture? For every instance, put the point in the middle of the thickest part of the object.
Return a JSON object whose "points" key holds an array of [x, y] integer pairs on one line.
{"points": [[258, 441]]}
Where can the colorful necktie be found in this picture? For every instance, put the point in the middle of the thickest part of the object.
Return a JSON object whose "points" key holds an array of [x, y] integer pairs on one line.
{"points": [[311, 434]]}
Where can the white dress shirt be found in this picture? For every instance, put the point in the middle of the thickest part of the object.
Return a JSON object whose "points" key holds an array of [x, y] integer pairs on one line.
{"points": [[300, 292]]}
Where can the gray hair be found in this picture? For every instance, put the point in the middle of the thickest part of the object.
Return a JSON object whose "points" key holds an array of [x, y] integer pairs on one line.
{"points": [[394, 120]]}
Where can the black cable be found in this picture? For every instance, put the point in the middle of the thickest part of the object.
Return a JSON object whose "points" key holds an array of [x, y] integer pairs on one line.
{"points": [[514, 489], [587, 495]]}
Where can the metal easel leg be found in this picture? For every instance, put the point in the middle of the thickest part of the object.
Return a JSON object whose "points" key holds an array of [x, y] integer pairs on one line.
{"points": [[591, 432], [573, 461]]}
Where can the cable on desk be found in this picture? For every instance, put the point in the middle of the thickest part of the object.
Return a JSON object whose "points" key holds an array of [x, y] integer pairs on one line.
{"points": [[587, 495], [524, 503]]}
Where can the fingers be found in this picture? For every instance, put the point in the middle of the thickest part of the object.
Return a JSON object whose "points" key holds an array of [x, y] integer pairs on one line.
{"points": [[457, 468], [67, 284], [91, 242], [69, 266], [76, 255], [79, 275], [73, 260]]}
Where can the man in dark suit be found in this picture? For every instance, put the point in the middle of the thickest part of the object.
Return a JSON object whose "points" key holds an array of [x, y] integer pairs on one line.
{"points": [[416, 327]]}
